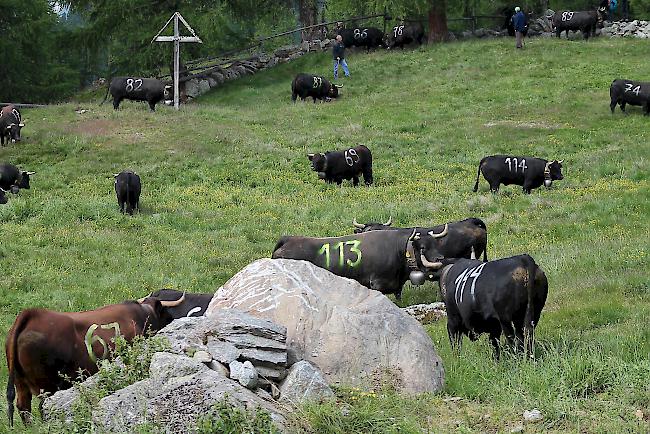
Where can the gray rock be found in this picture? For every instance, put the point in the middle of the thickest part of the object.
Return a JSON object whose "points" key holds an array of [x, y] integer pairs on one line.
{"points": [[167, 365], [62, 402], [224, 352], [351, 333], [517, 428], [304, 382], [427, 313], [204, 86], [186, 334], [271, 373], [202, 357], [304, 46], [219, 368], [176, 405], [245, 373], [192, 88], [533, 415], [212, 82], [264, 358], [218, 77]]}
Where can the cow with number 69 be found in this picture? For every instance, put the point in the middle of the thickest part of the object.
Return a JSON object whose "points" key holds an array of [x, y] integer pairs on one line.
{"points": [[631, 92], [335, 166]]}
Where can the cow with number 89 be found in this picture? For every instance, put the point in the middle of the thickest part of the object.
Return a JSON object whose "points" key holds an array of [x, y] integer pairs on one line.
{"points": [[631, 92], [525, 171], [137, 89], [335, 166], [315, 86]]}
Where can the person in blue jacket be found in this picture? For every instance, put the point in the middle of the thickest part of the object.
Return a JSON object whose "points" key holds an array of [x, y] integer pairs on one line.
{"points": [[519, 23]]}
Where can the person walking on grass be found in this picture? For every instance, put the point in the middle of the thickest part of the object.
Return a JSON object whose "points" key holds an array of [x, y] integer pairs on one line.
{"points": [[519, 23], [338, 52]]}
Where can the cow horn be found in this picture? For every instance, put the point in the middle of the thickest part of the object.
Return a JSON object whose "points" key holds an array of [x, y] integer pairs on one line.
{"points": [[9, 126], [473, 256], [389, 222], [173, 303], [441, 234], [115, 175], [140, 300], [428, 264], [338, 85], [560, 161], [357, 225], [31, 173]]}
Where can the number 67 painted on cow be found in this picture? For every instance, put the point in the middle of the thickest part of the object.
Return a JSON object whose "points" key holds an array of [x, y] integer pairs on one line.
{"points": [[90, 339]]}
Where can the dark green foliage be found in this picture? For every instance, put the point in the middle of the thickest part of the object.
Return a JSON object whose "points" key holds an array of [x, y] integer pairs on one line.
{"points": [[34, 59]]}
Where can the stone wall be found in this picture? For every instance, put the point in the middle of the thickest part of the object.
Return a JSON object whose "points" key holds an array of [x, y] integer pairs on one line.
{"points": [[215, 77], [631, 29]]}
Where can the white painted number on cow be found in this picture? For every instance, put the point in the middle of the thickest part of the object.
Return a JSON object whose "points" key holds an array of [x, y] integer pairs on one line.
{"points": [[318, 82], [358, 33], [90, 339], [16, 114], [461, 280], [351, 157], [354, 248], [193, 311], [629, 87], [133, 84], [567, 16], [398, 31], [512, 164]]}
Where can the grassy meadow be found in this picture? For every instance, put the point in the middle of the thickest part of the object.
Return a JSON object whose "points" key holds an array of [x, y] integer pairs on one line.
{"points": [[226, 176]]}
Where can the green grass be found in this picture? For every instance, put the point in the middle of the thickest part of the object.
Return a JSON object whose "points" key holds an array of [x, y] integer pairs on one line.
{"points": [[228, 175]]}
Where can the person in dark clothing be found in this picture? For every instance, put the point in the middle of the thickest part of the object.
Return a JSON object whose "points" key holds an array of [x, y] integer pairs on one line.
{"points": [[338, 53], [520, 23]]}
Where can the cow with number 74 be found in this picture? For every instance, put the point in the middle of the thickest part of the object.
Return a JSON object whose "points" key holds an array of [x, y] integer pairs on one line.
{"points": [[631, 92]]}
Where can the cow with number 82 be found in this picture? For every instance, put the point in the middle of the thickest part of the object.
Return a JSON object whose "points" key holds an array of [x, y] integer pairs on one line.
{"points": [[631, 92]]}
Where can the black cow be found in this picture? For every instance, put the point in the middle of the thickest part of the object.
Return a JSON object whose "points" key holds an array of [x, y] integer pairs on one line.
{"points": [[369, 37], [315, 86], [10, 124], [127, 189], [192, 305], [466, 238], [380, 260], [12, 178], [585, 21], [405, 34], [137, 89], [3, 197], [335, 166], [630, 92], [525, 171], [503, 296]]}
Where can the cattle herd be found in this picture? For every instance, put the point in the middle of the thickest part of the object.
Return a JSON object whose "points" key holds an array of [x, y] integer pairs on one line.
{"points": [[45, 350]]}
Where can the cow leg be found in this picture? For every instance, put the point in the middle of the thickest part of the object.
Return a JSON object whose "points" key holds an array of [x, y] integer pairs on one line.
{"points": [[623, 103], [355, 181], [646, 107], [612, 105], [519, 337], [494, 187], [455, 338], [116, 103], [24, 402], [527, 187], [557, 32], [509, 332], [367, 176], [494, 340], [294, 96], [152, 106]]}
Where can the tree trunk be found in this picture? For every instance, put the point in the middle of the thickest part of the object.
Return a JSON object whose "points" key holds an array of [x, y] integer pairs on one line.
{"points": [[438, 31]]}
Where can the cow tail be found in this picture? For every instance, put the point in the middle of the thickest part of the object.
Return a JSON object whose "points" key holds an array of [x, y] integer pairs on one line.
{"points": [[478, 174], [12, 362], [108, 87], [529, 326]]}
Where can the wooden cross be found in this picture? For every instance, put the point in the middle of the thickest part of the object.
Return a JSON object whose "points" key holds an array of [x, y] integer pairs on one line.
{"points": [[176, 39]]}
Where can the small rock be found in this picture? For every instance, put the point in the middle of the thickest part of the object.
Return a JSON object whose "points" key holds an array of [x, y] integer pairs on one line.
{"points": [[639, 414], [304, 383], [202, 356], [218, 367], [245, 373], [533, 415], [518, 428]]}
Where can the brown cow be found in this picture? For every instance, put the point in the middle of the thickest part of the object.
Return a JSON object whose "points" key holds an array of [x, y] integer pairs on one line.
{"points": [[47, 349]]}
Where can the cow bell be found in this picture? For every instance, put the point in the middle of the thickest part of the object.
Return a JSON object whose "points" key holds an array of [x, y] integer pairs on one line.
{"points": [[321, 175], [417, 277], [547, 183]]}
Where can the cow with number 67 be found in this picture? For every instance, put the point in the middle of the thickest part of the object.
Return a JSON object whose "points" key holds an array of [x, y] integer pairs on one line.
{"points": [[631, 92]]}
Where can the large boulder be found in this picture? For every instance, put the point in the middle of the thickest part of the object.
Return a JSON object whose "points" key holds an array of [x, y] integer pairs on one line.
{"points": [[353, 334]]}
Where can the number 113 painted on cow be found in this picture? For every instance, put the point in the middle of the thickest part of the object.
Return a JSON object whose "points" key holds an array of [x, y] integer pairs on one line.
{"points": [[325, 249]]}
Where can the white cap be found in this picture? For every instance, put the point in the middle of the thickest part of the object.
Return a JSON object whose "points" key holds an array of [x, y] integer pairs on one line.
{"points": [[517, 9]]}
